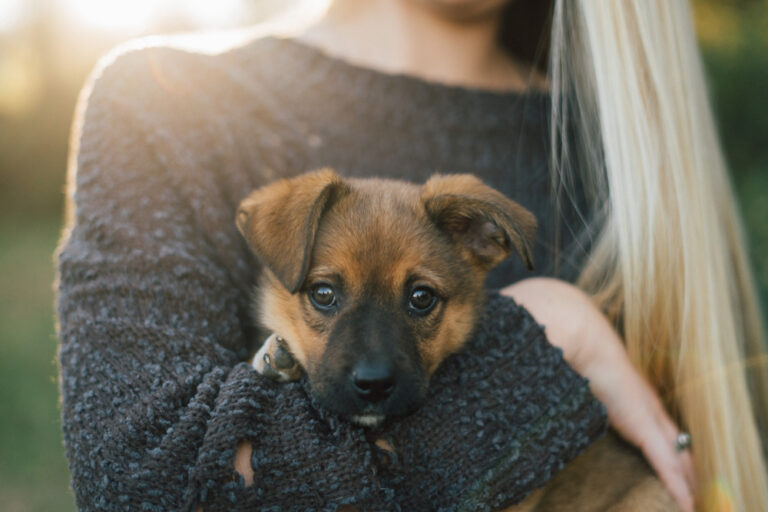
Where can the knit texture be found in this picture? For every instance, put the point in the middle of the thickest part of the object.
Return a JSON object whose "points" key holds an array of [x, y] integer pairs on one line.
{"points": [[154, 288], [500, 420]]}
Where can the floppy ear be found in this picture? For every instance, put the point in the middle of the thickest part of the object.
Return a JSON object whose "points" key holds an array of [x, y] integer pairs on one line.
{"points": [[280, 222], [480, 219]]}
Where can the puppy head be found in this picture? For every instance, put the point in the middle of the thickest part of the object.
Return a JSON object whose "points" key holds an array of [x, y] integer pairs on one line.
{"points": [[372, 283]]}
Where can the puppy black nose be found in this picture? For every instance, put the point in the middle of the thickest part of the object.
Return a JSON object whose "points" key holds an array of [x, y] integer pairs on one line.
{"points": [[373, 382]]}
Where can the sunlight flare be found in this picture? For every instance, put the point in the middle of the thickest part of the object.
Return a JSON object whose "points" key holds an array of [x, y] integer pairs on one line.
{"points": [[119, 15], [209, 13], [12, 13], [138, 15]]}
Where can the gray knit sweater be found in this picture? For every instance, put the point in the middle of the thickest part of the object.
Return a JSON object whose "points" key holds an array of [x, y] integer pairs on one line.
{"points": [[154, 287]]}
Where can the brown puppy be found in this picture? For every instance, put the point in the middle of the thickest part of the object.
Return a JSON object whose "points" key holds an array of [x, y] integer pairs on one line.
{"points": [[370, 284], [388, 280]]}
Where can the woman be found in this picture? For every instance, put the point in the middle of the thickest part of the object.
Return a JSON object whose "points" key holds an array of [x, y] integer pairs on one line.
{"points": [[170, 141]]}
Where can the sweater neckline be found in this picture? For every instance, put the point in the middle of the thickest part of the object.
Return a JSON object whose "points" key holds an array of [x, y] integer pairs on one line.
{"points": [[318, 53], [310, 72]]}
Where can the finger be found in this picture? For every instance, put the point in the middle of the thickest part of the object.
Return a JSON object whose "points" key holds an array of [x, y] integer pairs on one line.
{"points": [[671, 433], [638, 415], [657, 438], [384, 444], [243, 462], [686, 461], [666, 461]]}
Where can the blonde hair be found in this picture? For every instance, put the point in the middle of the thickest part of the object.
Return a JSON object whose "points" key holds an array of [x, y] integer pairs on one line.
{"points": [[668, 265]]}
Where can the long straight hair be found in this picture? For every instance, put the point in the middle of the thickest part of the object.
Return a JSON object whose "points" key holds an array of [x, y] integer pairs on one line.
{"points": [[631, 115]]}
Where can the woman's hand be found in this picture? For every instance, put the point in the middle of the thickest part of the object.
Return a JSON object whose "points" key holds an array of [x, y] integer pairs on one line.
{"points": [[593, 348]]}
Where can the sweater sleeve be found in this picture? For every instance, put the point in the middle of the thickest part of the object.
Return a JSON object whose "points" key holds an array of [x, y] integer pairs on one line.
{"points": [[504, 416], [153, 308]]}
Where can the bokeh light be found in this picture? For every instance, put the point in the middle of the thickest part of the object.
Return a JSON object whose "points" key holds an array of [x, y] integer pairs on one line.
{"points": [[20, 78], [122, 15], [213, 14], [12, 13], [137, 16]]}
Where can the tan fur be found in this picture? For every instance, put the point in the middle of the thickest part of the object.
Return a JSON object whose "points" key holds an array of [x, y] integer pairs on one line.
{"points": [[288, 215], [279, 312], [459, 320], [609, 476], [461, 196]]}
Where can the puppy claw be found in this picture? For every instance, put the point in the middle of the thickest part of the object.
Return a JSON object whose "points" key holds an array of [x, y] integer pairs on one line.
{"points": [[274, 361]]}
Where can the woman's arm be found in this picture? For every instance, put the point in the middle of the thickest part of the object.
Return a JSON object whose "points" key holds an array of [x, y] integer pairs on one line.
{"points": [[593, 348], [152, 303]]}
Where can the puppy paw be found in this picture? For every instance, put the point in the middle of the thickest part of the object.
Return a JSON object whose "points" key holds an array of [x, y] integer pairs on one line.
{"points": [[275, 362]]}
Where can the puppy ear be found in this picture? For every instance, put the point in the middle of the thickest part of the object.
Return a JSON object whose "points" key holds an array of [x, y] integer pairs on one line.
{"points": [[480, 219], [280, 222]]}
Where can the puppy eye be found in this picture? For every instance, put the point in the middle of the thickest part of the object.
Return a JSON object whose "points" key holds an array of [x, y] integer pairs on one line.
{"points": [[322, 296], [422, 300]]}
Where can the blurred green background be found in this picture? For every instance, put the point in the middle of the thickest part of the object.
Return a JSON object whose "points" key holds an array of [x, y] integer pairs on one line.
{"points": [[47, 48]]}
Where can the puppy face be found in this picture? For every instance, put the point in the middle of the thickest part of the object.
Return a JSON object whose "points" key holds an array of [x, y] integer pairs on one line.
{"points": [[372, 283]]}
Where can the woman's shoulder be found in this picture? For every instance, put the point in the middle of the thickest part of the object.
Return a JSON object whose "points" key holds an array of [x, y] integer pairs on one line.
{"points": [[188, 102], [186, 72]]}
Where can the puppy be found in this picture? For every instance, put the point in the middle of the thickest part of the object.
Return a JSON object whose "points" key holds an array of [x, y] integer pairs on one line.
{"points": [[373, 283], [370, 284]]}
